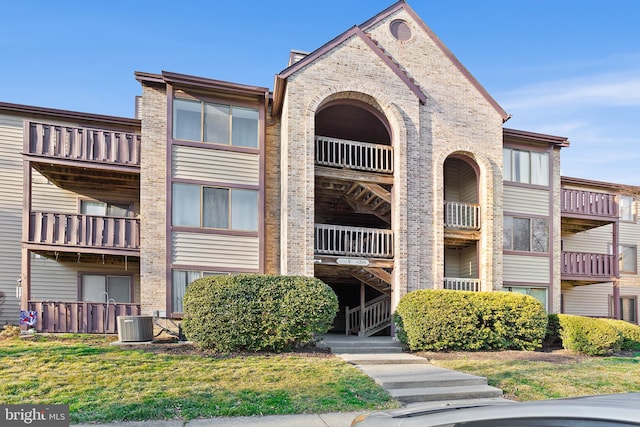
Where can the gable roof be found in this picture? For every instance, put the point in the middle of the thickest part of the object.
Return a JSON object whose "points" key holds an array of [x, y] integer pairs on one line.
{"points": [[360, 31]]}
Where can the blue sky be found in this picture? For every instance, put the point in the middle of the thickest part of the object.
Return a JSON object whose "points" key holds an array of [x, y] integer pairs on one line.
{"points": [[563, 67]]}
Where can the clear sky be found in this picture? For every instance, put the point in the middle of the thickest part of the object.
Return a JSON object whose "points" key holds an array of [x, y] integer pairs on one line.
{"points": [[562, 67]]}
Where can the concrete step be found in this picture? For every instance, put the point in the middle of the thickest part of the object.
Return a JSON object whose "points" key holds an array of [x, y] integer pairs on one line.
{"points": [[432, 381], [365, 359], [412, 395], [365, 350]]}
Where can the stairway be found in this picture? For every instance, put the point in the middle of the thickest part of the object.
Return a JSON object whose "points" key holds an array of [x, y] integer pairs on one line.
{"points": [[369, 198], [408, 378]]}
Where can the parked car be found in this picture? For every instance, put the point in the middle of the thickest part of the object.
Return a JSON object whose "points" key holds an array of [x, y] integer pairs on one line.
{"points": [[612, 410]]}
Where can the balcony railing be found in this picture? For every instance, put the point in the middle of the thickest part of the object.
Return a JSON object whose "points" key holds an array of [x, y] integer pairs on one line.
{"points": [[589, 203], [375, 316], [84, 144], [462, 284], [84, 230], [581, 264], [462, 215], [354, 155], [353, 241], [80, 316]]}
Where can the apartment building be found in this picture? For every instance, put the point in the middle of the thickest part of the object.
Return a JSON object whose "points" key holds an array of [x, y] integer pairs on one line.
{"points": [[377, 163]]}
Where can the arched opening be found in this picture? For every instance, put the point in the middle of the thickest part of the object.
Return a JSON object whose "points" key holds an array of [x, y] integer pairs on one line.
{"points": [[352, 211], [462, 224]]}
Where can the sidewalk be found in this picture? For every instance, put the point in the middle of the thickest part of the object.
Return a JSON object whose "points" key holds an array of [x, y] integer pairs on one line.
{"points": [[308, 420]]}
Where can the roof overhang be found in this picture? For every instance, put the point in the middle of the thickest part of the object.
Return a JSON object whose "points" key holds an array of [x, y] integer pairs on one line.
{"points": [[558, 141]]}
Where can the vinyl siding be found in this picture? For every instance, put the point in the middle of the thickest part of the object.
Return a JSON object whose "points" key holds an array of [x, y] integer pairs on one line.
{"points": [[215, 165], [461, 263], [10, 214], [54, 281], [596, 240], [460, 182], [531, 201], [590, 300], [526, 269], [215, 251]]}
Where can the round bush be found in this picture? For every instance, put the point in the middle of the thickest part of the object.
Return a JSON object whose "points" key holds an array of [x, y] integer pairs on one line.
{"points": [[593, 337], [457, 320], [257, 312]]}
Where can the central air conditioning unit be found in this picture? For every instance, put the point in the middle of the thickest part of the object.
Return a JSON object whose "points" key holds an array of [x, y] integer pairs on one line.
{"points": [[135, 328]]}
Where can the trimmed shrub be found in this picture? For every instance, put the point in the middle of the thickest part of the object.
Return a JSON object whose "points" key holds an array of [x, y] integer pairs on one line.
{"points": [[590, 336], [251, 312], [9, 331], [630, 333], [457, 320], [552, 337]]}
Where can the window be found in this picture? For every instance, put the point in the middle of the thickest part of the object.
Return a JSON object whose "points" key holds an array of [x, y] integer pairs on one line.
{"points": [[526, 234], [628, 308], [528, 167], [214, 207], [181, 280], [538, 293], [93, 207], [628, 259], [215, 123], [626, 208], [96, 287]]}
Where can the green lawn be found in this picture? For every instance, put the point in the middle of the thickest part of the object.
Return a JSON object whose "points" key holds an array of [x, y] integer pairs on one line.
{"points": [[104, 383], [535, 380]]}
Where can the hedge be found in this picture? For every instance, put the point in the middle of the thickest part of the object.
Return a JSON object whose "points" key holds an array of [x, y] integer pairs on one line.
{"points": [[630, 333], [250, 312], [458, 320], [590, 336]]}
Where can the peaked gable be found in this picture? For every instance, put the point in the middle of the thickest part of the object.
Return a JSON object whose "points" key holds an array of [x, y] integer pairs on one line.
{"points": [[361, 32]]}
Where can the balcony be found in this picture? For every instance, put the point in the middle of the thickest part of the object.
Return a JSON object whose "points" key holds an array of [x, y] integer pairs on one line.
{"points": [[353, 241], [462, 284], [582, 210], [115, 235], [464, 216], [84, 144], [80, 316], [588, 267], [361, 156]]}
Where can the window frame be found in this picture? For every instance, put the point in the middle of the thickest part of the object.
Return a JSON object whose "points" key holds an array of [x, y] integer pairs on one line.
{"points": [[201, 274], [230, 207], [509, 288], [621, 247], [531, 241], [203, 116], [509, 170], [631, 212], [633, 298], [106, 277], [108, 205]]}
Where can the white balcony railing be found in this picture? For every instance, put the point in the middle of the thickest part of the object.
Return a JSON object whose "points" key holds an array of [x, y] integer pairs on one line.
{"points": [[462, 284], [354, 155], [462, 215], [353, 241]]}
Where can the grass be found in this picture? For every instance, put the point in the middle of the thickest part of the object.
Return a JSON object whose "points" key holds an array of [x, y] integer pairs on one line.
{"points": [[524, 380], [103, 383]]}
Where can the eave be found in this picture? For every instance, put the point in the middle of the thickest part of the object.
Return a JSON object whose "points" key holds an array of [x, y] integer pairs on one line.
{"points": [[75, 116], [201, 83], [559, 141]]}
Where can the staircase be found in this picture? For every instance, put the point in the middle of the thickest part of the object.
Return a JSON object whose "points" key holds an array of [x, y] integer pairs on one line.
{"points": [[408, 378], [369, 198], [373, 318]]}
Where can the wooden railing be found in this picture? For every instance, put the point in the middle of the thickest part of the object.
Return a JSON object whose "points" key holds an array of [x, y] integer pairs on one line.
{"points": [[462, 284], [353, 241], [375, 316], [462, 215], [84, 144], [80, 316], [588, 265], [354, 155], [84, 230], [588, 203]]}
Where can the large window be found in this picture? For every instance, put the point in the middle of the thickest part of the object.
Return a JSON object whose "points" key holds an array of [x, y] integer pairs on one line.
{"points": [[538, 293], [626, 208], [182, 279], [528, 167], [628, 308], [628, 259], [526, 234], [100, 288], [93, 207], [214, 207], [215, 123]]}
